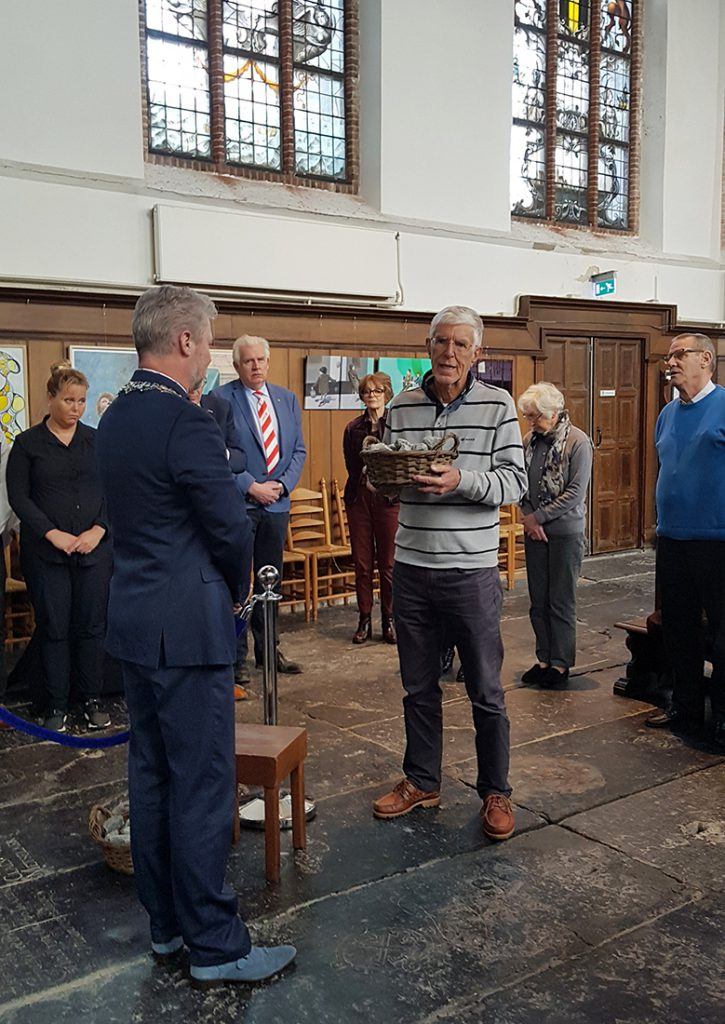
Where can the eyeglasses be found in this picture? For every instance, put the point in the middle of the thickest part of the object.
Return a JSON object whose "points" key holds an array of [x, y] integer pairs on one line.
{"points": [[373, 391], [533, 417], [678, 354]]}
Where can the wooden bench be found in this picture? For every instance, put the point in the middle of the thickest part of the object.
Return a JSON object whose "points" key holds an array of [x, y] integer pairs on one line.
{"points": [[265, 756]]}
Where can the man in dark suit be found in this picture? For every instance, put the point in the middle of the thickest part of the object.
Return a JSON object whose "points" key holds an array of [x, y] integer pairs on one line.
{"points": [[180, 534], [269, 422]]}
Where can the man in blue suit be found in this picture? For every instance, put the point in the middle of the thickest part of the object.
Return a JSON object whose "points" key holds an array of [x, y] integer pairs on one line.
{"points": [[221, 412], [180, 534], [269, 422]]}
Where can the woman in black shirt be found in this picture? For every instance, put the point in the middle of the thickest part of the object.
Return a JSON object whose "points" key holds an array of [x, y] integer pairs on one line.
{"points": [[65, 551]]}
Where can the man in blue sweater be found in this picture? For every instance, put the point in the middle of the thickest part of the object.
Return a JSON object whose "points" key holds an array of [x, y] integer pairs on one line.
{"points": [[690, 439]]}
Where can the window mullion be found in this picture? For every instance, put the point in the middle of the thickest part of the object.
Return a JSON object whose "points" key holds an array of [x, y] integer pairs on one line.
{"points": [[595, 57], [216, 83], [286, 86], [552, 51]]}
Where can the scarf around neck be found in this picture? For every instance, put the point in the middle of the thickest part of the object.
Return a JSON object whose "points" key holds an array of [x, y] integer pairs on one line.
{"points": [[552, 481]]}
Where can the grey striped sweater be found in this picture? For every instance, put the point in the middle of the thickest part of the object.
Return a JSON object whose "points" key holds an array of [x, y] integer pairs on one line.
{"points": [[460, 529]]}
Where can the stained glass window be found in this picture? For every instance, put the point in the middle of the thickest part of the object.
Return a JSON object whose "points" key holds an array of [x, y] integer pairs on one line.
{"points": [[217, 92], [572, 95]]}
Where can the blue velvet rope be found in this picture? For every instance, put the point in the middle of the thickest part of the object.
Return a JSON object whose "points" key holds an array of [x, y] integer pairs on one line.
{"points": [[80, 742]]}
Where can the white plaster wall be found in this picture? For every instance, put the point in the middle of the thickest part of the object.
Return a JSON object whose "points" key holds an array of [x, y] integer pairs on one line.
{"points": [[693, 119], [70, 85], [653, 122], [446, 110]]}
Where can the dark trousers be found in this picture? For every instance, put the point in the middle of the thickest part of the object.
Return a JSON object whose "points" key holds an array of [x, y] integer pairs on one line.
{"points": [[181, 789], [463, 605], [373, 521], [3, 674], [269, 530], [552, 571], [70, 600], [691, 580]]}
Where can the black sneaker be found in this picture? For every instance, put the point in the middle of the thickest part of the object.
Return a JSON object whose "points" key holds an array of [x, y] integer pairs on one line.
{"points": [[55, 720], [95, 716], [533, 675]]}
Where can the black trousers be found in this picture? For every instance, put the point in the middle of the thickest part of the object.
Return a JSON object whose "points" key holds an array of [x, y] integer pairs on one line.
{"points": [[464, 606], [181, 790], [552, 571], [269, 530], [70, 601], [691, 579]]}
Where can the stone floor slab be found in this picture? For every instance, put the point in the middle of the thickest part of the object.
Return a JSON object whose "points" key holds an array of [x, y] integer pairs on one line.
{"points": [[403, 948], [564, 775], [669, 971], [41, 770], [678, 827]]}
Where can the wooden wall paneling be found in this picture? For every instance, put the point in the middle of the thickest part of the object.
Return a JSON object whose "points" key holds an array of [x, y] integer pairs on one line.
{"points": [[41, 355]]}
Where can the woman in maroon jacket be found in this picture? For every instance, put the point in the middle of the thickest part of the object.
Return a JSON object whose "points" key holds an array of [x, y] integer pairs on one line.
{"points": [[372, 518]]}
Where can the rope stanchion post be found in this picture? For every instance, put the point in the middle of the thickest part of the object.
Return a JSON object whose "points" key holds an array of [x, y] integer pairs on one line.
{"points": [[251, 814]]}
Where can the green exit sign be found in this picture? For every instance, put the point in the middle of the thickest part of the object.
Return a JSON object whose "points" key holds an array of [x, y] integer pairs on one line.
{"points": [[604, 284]]}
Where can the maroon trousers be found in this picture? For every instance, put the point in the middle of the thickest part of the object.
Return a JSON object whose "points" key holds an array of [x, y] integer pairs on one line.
{"points": [[373, 521]]}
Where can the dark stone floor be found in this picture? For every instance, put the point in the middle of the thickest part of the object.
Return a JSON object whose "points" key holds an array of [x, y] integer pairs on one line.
{"points": [[606, 906]]}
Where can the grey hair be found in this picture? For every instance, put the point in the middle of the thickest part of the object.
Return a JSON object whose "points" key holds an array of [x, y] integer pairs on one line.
{"points": [[244, 342], [459, 315], [544, 397], [161, 314], [704, 344]]}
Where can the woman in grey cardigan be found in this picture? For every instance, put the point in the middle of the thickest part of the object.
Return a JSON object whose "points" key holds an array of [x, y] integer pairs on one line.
{"points": [[558, 460]]}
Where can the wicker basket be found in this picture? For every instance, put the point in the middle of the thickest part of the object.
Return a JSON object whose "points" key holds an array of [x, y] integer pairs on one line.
{"points": [[117, 857], [390, 471]]}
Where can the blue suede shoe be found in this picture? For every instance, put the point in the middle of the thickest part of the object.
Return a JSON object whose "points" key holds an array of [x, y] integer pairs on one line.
{"points": [[164, 951], [260, 963]]}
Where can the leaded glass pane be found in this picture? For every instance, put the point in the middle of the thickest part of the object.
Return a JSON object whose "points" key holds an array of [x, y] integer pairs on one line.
{"points": [[614, 98], [528, 172], [613, 187], [616, 25], [319, 102], [574, 19], [318, 34], [572, 87], [570, 188], [531, 12], [252, 26], [529, 75], [252, 119], [178, 85], [184, 18]]}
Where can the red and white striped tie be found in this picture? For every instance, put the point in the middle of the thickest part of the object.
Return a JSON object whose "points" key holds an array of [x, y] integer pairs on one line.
{"points": [[269, 438]]}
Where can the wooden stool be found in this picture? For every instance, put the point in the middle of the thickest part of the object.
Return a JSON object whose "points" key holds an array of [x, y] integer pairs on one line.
{"points": [[265, 755]]}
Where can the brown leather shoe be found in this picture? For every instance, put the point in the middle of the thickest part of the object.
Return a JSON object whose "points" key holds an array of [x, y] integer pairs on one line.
{"points": [[364, 630], [240, 693], [403, 799], [497, 817]]}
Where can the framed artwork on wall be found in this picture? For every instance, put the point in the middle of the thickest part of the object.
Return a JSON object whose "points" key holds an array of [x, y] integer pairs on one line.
{"points": [[221, 369], [354, 368], [322, 382], [405, 374], [13, 391], [499, 372], [107, 370]]}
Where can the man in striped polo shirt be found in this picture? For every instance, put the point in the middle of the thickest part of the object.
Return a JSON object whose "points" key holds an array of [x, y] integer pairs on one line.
{"points": [[445, 578]]}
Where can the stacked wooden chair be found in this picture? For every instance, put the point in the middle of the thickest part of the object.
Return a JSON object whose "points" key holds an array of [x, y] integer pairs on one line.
{"points": [[311, 535], [19, 621], [511, 545]]}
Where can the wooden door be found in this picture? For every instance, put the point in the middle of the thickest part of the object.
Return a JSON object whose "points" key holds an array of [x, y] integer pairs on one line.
{"points": [[601, 381], [616, 432]]}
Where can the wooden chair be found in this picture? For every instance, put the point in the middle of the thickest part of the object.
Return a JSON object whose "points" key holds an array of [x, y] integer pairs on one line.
{"points": [[311, 535], [295, 584], [265, 755], [511, 540], [19, 621]]}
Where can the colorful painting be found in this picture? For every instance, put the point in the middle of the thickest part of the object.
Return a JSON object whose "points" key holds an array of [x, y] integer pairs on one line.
{"points": [[353, 371], [13, 391], [107, 370], [322, 382], [405, 374], [221, 369]]}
